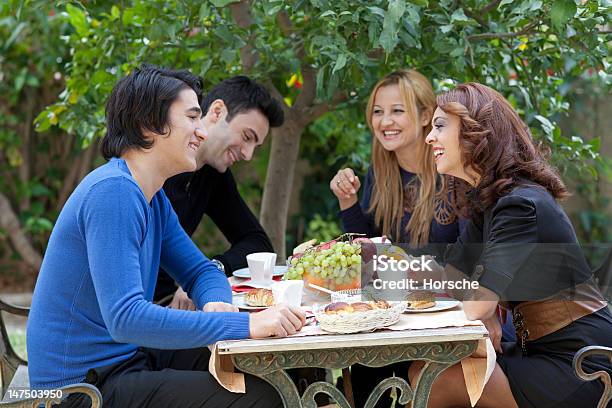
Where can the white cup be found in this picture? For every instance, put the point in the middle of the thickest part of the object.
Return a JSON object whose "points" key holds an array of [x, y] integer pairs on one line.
{"points": [[289, 292], [261, 266]]}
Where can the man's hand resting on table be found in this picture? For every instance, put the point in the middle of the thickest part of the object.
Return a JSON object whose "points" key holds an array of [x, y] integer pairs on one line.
{"points": [[277, 321], [220, 307], [182, 302]]}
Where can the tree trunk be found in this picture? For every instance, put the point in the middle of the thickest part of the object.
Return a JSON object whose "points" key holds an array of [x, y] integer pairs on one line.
{"points": [[88, 157], [26, 146], [21, 243], [69, 182], [279, 179]]}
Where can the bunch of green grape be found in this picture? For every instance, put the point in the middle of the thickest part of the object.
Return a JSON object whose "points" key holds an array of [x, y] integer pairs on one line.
{"points": [[336, 264]]}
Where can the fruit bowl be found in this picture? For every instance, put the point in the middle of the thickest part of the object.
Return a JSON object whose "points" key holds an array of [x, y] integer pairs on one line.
{"points": [[334, 265]]}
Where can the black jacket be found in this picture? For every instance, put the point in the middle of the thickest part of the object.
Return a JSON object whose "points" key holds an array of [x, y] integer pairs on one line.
{"points": [[215, 194]]}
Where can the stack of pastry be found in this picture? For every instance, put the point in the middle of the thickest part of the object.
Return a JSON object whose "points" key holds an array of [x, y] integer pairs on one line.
{"points": [[344, 308], [421, 299], [259, 298]]}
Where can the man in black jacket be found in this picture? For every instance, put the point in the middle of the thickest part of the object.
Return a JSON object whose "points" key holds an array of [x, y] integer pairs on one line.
{"points": [[238, 114]]}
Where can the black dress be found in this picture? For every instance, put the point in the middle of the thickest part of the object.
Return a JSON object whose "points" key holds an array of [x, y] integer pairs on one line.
{"points": [[524, 248]]}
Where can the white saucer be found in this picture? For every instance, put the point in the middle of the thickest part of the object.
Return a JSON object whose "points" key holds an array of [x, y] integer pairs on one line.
{"points": [[279, 270], [442, 303]]}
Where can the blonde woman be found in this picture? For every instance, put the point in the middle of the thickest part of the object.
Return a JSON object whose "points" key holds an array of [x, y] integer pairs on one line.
{"points": [[402, 196]]}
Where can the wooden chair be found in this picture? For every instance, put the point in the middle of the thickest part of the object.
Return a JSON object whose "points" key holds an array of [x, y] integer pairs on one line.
{"points": [[14, 372]]}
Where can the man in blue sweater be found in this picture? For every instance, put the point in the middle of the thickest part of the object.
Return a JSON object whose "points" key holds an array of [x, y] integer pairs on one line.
{"points": [[92, 318]]}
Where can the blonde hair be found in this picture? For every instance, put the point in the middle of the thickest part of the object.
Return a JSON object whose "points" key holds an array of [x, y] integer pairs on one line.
{"points": [[388, 194]]}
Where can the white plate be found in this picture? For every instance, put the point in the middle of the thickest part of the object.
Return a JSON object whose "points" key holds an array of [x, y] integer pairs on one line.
{"points": [[279, 270], [442, 303], [238, 300]]}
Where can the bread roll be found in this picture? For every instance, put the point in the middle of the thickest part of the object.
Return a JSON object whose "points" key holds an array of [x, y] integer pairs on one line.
{"points": [[338, 308], [361, 306]]}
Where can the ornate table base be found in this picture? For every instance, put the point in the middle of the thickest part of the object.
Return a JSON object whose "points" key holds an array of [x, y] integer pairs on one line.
{"points": [[437, 356]]}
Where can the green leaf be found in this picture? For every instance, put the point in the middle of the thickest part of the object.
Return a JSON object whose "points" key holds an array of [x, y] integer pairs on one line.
{"points": [[21, 78], [389, 38], [204, 11], [42, 121], [38, 190], [205, 66], [320, 79], [504, 2], [128, 17], [14, 35], [547, 126], [535, 5], [115, 12], [227, 55], [446, 28], [562, 11], [340, 63], [459, 15], [223, 3], [421, 3], [377, 10], [78, 19]]}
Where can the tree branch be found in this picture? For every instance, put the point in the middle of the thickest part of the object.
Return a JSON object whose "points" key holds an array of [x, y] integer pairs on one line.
{"points": [[309, 89], [241, 12], [491, 6], [479, 14], [316, 111], [527, 30], [19, 240]]}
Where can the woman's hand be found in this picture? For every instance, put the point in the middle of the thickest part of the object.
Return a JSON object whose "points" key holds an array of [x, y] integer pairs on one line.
{"points": [[345, 185], [493, 326]]}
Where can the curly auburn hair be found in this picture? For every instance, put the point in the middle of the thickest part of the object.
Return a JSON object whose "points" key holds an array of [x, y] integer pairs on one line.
{"points": [[497, 144]]}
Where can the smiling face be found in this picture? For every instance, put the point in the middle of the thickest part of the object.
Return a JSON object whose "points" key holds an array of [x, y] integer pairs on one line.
{"points": [[230, 142], [391, 124], [180, 146], [444, 140]]}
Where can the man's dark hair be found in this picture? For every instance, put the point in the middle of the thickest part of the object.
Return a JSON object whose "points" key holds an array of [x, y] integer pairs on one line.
{"points": [[141, 101], [241, 94]]}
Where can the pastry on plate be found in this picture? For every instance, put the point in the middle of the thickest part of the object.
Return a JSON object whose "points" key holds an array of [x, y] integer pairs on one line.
{"points": [[259, 298], [421, 299]]}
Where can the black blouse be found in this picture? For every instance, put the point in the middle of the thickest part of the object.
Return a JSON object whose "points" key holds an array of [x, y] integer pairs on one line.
{"points": [[522, 248]]}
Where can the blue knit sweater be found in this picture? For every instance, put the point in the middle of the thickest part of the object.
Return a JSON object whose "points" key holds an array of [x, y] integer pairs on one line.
{"points": [[92, 302]]}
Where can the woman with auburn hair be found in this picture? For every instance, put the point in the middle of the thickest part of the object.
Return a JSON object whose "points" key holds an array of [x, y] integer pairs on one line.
{"points": [[529, 260], [403, 197]]}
